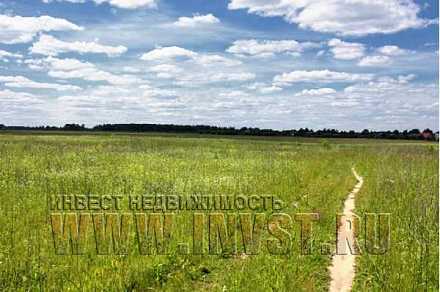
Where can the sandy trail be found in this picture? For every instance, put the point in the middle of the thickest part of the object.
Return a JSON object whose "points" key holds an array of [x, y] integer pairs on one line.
{"points": [[342, 269]]}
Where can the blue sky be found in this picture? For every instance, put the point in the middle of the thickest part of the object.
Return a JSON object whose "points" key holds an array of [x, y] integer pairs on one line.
{"points": [[263, 63]]}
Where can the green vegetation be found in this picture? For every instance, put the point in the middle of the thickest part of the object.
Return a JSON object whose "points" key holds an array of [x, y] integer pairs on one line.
{"points": [[309, 175], [404, 182]]}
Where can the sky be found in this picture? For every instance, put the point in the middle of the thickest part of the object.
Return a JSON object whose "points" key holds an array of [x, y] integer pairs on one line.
{"points": [[280, 64]]}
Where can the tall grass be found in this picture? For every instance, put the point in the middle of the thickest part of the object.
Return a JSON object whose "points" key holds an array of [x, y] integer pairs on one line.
{"points": [[404, 182]]}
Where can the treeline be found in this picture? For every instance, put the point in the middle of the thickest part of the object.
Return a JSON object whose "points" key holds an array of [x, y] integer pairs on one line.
{"points": [[414, 134]]}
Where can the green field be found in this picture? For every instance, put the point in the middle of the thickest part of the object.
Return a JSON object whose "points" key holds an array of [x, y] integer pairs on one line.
{"points": [[308, 175]]}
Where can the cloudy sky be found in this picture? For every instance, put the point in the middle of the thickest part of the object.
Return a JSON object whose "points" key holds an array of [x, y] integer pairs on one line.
{"points": [[345, 64]]}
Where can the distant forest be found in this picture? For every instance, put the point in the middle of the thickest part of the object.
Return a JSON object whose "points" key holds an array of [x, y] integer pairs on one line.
{"points": [[414, 134]]}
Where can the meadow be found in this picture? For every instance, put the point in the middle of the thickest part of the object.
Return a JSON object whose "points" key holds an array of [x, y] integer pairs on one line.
{"points": [[309, 175]]}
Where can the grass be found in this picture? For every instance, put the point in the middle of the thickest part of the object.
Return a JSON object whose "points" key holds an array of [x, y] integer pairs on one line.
{"points": [[309, 175], [402, 182]]}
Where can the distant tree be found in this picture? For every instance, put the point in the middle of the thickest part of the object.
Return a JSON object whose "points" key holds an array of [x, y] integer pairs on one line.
{"points": [[413, 134], [74, 127], [427, 134], [428, 131], [365, 133]]}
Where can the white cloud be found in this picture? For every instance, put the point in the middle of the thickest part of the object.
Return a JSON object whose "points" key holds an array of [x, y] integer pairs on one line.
{"points": [[50, 46], [175, 60], [166, 71], [264, 48], [319, 91], [23, 82], [385, 84], [75, 69], [263, 88], [20, 98], [196, 20], [166, 68], [167, 53], [373, 61], [270, 89], [406, 78], [208, 60], [130, 4], [209, 77], [16, 106], [345, 50], [383, 56], [126, 4], [388, 82], [355, 17], [392, 51], [5, 55], [130, 69], [319, 76], [19, 29], [320, 53]]}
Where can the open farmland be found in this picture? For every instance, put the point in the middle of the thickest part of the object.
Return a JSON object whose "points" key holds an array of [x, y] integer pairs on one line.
{"points": [[307, 175]]}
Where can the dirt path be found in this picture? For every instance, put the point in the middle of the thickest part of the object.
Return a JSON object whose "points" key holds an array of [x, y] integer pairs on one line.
{"points": [[342, 269]]}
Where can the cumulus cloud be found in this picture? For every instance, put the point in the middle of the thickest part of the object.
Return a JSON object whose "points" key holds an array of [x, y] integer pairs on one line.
{"points": [[355, 18], [19, 29], [319, 91], [173, 61], [166, 71], [13, 104], [8, 97], [23, 82], [130, 69], [212, 59], [384, 84], [130, 4], [387, 81], [391, 51], [375, 61], [126, 4], [75, 69], [6, 55], [264, 48], [167, 53], [263, 88], [270, 89], [243, 76], [406, 78], [319, 76], [213, 77], [50, 46], [351, 51], [346, 51], [196, 20]]}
